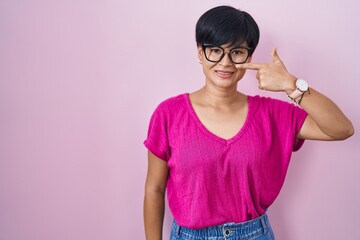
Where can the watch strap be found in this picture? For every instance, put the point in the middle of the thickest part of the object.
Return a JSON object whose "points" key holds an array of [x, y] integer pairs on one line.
{"points": [[295, 94]]}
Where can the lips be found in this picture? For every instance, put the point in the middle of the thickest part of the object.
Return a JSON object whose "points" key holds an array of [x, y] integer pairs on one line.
{"points": [[224, 74]]}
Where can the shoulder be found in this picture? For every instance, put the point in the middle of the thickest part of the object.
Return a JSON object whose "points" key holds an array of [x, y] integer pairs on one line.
{"points": [[270, 108], [173, 101], [271, 104], [171, 112], [262, 100], [171, 106]]}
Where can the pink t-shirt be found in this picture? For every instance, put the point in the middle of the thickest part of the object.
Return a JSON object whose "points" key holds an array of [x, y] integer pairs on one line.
{"points": [[213, 180]]}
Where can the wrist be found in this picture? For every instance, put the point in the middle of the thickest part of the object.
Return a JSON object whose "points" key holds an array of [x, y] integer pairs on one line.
{"points": [[290, 85], [301, 87]]}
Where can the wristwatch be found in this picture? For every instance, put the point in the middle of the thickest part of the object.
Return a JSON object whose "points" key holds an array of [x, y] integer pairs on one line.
{"points": [[301, 87]]}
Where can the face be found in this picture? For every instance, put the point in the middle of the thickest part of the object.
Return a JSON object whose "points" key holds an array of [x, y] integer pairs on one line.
{"points": [[221, 74]]}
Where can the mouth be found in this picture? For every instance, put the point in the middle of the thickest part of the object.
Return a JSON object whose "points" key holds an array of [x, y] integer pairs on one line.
{"points": [[224, 74]]}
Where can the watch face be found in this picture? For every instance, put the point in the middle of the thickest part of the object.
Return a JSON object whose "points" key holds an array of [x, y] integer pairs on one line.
{"points": [[302, 85]]}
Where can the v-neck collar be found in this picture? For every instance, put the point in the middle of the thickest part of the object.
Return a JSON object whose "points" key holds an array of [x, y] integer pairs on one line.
{"points": [[212, 135]]}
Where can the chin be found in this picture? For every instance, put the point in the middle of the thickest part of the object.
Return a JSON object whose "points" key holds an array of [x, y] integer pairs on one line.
{"points": [[225, 83]]}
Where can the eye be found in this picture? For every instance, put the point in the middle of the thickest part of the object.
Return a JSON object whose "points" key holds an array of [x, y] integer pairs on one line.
{"points": [[238, 52], [215, 50]]}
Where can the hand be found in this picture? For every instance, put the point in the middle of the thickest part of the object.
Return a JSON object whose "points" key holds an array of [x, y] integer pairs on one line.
{"points": [[272, 77]]}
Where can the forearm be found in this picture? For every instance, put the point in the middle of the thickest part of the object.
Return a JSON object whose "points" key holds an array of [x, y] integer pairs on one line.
{"points": [[153, 214], [327, 115]]}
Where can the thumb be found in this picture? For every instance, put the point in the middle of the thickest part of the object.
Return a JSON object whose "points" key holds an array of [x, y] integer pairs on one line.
{"points": [[275, 56]]}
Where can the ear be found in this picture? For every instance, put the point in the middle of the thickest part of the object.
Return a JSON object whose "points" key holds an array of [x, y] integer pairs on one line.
{"points": [[200, 52]]}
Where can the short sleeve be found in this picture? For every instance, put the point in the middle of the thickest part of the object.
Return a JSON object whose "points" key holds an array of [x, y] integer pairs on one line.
{"points": [[157, 138], [299, 119], [289, 119]]}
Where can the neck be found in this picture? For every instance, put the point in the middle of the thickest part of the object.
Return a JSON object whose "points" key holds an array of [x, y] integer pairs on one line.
{"points": [[221, 97]]}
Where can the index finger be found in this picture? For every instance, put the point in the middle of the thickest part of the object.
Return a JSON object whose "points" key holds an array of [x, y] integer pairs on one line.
{"points": [[251, 66]]}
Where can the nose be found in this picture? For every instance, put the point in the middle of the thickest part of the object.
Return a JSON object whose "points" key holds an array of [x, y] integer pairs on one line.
{"points": [[226, 59]]}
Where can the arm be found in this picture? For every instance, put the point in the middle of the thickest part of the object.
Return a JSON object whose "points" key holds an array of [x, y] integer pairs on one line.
{"points": [[325, 120], [154, 197]]}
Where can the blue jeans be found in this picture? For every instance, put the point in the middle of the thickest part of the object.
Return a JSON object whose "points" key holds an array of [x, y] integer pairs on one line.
{"points": [[255, 229]]}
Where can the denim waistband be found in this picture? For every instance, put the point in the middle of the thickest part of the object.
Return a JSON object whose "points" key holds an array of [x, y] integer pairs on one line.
{"points": [[242, 230]]}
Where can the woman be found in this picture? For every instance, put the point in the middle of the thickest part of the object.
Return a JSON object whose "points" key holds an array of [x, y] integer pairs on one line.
{"points": [[223, 155]]}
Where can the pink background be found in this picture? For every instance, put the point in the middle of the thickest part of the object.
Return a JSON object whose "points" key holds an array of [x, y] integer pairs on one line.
{"points": [[80, 79]]}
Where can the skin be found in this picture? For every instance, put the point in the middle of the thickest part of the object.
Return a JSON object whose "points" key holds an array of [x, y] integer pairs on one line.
{"points": [[222, 109]]}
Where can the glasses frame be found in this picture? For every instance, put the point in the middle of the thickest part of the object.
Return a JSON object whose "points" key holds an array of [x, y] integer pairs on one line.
{"points": [[205, 45]]}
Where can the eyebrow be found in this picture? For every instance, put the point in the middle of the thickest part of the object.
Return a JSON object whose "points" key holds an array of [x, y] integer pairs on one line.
{"points": [[228, 48], [236, 46], [242, 45]]}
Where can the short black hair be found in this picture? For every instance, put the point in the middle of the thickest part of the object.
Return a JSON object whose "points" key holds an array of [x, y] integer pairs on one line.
{"points": [[227, 25]]}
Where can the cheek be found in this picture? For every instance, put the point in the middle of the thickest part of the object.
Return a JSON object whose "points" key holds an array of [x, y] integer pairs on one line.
{"points": [[206, 65], [240, 73]]}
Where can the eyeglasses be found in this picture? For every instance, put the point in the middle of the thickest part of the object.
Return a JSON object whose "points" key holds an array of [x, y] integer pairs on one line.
{"points": [[237, 55]]}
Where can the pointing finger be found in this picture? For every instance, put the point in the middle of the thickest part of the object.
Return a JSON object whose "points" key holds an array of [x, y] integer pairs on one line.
{"points": [[251, 66]]}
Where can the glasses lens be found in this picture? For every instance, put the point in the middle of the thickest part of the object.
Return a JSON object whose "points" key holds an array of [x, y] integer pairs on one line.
{"points": [[213, 53], [239, 55]]}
